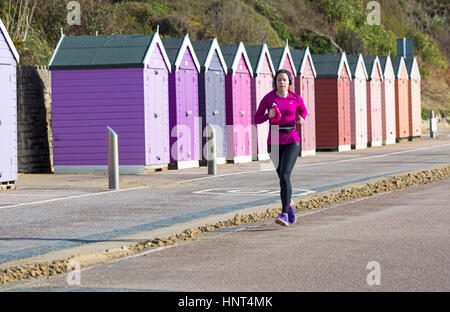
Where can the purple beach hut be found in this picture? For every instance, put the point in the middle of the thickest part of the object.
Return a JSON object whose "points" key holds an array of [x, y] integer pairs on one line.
{"points": [[8, 109], [184, 121], [211, 94], [117, 81]]}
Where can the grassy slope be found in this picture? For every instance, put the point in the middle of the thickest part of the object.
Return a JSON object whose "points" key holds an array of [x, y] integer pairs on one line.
{"points": [[304, 22]]}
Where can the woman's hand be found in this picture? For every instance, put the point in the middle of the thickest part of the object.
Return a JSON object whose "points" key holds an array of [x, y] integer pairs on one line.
{"points": [[272, 113]]}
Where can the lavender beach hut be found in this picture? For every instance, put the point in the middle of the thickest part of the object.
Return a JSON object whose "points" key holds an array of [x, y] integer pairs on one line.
{"points": [[184, 121], [264, 71], [8, 108], [211, 94], [116, 81], [238, 103]]}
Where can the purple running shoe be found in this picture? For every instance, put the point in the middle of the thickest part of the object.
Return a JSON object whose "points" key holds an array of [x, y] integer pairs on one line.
{"points": [[291, 213], [282, 219]]}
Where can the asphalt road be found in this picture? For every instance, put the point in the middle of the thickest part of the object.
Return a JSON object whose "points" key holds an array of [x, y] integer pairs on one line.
{"points": [[395, 241], [51, 214]]}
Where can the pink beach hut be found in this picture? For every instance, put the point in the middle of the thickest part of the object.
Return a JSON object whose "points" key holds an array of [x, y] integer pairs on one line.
{"points": [[260, 60], [388, 100], [358, 101], [282, 59], [414, 102], [305, 87], [116, 81], [184, 121], [8, 108], [374, 114], [238, 103]]}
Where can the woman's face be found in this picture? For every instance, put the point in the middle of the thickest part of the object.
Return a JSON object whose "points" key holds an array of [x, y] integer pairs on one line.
{"points": [[282, 82]]}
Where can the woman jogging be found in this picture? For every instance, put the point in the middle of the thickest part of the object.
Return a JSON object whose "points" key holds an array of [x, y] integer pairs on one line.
{"points": [[285, 110]]}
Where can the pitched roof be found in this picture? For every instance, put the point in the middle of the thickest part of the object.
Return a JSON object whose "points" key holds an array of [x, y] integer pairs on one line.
{"points": [[278, 55], [231, 54], [4, 31], [176, 47], [371, 61], [256, 54], [299, 57], [354, 61], [410, 63], [384, 61], [101, 51], [204, 49], [329, 65], [396, 64]]}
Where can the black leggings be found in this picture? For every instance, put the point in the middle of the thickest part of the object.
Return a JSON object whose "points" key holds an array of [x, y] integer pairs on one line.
{"points": [[284, 162]]}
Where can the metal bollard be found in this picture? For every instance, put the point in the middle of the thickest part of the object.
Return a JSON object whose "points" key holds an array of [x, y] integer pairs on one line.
{"points": [[212, 164], [113, 159], [433, 124]]}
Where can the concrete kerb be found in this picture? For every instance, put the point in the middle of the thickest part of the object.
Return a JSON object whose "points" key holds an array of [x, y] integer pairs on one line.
{"points": [[97, 253]]}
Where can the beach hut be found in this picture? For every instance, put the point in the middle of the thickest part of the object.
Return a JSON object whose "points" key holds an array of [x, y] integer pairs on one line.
{"points": [[8, 109], [238, 103], [374, 114], [304, 86], [117, 81], [414, 102], [401, 99], [388, 100], [211, 94], [282, 59], [332, 95], [358, 101], [261, 84], [184, 122]]}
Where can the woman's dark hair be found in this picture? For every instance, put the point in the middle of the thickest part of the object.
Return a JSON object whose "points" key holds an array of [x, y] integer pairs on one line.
{"points": [[281, 71]]}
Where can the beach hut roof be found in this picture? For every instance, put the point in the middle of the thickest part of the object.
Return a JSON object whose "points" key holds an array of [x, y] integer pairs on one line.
{"points": [[231, 54], [330, 65], [353, 61], [412, 67], [176, 48], [278, 56], [384, 61], [204, 50], [371, 62], [9, 41], [301, 57], [397, 63], [256, 54], [77, 52]]}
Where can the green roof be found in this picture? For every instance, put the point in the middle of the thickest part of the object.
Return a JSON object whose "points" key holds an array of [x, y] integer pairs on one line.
{"points": [[327, 65], [297, 57], [254, 53], [101, 51]]}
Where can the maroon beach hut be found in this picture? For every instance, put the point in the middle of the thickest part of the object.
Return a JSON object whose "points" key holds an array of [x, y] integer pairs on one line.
{"points": [[183, 103], [8, 108], [263, 74], [116, 81], [238, 103], [332, 93], [211, 94], [374, 112], [305, 87]]}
